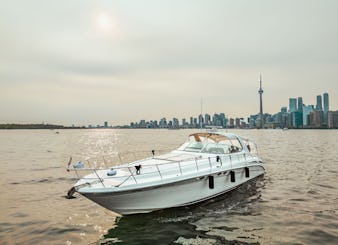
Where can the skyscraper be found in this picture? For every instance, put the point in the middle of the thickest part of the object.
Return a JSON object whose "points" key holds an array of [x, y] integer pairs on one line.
{"points": [[292, 104], [207, 119], [326, 102], [300, 104], [333, 119], [326, 107], [316, 118], [299, 120], [319, 106], [223, 120], [260, 91], [176, 123], [307, 109], [200, 121]]}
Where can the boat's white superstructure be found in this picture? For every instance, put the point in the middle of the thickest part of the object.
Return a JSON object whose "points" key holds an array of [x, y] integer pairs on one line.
{"points": [[207, 165]]}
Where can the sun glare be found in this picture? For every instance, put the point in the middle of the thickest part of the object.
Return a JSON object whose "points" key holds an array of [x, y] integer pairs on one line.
{"points": [[104, 22]]}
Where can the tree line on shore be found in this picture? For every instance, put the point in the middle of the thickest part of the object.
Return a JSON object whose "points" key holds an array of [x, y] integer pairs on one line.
{"points": [[33, 126]]}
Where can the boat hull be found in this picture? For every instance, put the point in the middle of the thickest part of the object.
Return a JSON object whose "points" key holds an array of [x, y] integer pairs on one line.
{"points": [[174, 194]]}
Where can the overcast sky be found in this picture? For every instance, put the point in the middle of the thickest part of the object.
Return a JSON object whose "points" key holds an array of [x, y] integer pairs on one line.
{"points": [[86, 62]]}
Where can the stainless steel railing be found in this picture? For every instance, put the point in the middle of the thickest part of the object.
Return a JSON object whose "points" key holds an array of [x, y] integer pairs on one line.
{"points": [[192, 164]]}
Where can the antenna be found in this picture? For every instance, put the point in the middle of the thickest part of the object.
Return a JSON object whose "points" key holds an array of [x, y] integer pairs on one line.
{"points": [[201, 113]]}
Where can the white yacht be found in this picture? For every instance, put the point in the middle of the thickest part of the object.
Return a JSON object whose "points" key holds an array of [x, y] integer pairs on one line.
{"points": [[207, 165]]}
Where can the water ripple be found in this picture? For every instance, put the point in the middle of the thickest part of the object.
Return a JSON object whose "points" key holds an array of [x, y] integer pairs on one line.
{"points": [[294, 203]]}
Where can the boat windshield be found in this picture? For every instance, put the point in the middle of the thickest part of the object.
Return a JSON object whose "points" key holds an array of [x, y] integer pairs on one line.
{"points": [[215, 148], [211, 143], [193, 146], [251, 146]]}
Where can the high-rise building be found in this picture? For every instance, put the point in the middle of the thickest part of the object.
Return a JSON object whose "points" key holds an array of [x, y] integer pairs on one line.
{"points": [[307, 109], [200, 121], [232, 121], [326, 102], [163, 123], [299, 116], [142, 123], [319, 106], [223, 120], [282, 117], [326, 107], [184, 122], [316, 118], [207, 119], [195, 122], [300, 104], [238, 123], [332, 119], [292, 104], [216, 120], [176, 123], [285, 120], [252, 121], [296, 119], [191, 121]]}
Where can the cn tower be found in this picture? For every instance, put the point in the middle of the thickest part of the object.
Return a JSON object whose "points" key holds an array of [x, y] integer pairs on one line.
{"points": [[260, 91]]}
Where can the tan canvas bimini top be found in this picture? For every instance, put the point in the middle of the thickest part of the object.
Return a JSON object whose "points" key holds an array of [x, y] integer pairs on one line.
{"points": [[215, 137]]}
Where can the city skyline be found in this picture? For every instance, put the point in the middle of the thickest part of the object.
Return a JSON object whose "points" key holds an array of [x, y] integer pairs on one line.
{"points": [[297, 115], [85, 62], [321, 103]]}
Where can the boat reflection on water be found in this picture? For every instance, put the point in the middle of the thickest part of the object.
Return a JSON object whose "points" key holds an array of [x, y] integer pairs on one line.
{"points": [[186, 225]]}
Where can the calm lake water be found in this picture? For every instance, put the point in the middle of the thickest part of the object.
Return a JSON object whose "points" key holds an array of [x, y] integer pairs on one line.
{"points": [[295, 202]]}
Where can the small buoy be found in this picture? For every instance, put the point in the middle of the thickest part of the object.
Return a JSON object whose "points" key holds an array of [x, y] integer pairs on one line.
{"points": [[211, 182], [232, 176]]}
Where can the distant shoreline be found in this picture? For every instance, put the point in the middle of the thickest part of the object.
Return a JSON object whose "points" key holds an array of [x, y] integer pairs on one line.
{"points": [[14, 126], [35, 126]]}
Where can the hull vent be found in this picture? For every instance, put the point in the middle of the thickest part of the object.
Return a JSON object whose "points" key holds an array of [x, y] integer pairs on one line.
{"points": [[211, 182], [232, 176]]}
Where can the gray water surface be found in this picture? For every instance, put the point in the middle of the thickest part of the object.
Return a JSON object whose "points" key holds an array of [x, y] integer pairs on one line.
{"points": [[295, 202]]}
